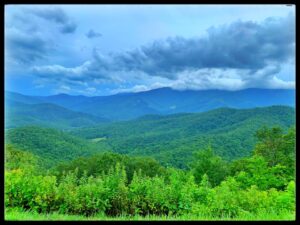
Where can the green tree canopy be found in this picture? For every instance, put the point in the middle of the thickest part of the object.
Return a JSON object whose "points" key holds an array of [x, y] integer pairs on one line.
{"points": [[206, 162], [276, 146]]}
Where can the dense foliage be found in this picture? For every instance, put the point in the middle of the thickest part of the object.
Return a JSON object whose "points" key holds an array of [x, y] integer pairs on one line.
{"points": [[101, 163], [172, 139], [211, 187], [51, 145]]}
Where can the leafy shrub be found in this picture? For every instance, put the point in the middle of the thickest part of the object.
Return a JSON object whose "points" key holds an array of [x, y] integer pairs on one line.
{"points": [[115, 182], [90, 187], [30, 191]]}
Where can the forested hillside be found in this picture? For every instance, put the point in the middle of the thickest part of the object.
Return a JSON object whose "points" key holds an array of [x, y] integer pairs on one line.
{"points": [[52, 146], [169, 139], [172, 139]]}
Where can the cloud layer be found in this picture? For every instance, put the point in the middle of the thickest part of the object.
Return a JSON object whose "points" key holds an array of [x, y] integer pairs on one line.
{"points": [[240, 45], [234, 56], [32, 33], [47, 43], [56, 15]]}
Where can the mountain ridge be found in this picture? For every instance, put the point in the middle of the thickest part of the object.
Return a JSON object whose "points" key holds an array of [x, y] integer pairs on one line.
{"points": [[151, 90], [46, 114], [173, 138], [164, 101]]}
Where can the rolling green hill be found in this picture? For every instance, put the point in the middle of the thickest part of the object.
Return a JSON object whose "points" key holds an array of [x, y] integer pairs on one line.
{"points": [[51, 145], [169, 139], [172, 139]]}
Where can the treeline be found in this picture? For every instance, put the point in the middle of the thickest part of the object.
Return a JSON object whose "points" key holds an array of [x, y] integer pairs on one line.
{"points": [[114, 184]]}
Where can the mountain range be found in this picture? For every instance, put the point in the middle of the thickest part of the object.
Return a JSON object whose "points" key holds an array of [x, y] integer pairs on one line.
{"points": [[67, 111]]}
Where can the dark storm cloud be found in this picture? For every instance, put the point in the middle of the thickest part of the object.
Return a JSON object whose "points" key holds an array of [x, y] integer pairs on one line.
{"points": [[68, 28], [240, 45], [25, 48], [238, 55], [93, 34], [56, 15], [28, 34]]}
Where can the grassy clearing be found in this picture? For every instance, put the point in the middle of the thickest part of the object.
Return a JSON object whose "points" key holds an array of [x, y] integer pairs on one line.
{"points": [[98, 139], [14, 214]]}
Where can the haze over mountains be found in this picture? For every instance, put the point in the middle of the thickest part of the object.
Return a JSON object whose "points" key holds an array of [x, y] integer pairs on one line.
{"points": [[67, 111]]}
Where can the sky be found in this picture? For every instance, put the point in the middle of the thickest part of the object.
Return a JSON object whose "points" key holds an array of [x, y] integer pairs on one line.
{"points": [[97, 50]]}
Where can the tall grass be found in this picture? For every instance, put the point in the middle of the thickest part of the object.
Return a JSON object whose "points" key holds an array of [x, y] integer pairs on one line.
{"points": [[14, 214]]}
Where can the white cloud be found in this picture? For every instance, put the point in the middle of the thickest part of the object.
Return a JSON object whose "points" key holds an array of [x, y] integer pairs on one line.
{"points": [[63, 89], [223, 79]]}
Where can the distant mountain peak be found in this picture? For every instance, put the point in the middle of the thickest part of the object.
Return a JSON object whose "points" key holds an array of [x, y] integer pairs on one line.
{"points": [[163, 89], [61, 94]]}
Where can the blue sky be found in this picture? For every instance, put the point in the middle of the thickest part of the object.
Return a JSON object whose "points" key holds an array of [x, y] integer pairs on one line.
{"points": [[107, 49]]}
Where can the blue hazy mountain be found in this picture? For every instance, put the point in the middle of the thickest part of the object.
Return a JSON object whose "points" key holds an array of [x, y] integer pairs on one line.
{"points": [[46, 114], [172, 101], [17, 97], [164, 101]]}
